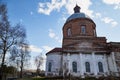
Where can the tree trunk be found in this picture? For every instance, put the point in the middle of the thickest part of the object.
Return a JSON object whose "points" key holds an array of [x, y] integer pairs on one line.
{"points": [[2, 65], [21, 69]]}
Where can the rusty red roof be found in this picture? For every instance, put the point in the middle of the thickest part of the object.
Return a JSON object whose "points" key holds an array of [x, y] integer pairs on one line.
{"points": [[55, 50]]}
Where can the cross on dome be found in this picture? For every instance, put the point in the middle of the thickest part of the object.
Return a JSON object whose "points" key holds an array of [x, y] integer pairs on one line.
{"points": [[77, 9]]}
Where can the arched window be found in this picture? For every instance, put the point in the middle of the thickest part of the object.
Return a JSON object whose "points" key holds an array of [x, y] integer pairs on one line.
{"points": [[87, 65], [74, 66], [83, 29], [69, 32], [100, 66], [94, 32], [49, 66]]}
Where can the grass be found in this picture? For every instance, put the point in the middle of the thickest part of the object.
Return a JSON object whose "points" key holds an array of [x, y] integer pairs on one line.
{"points": [[56, 78], [39, 78], [25, 79]]}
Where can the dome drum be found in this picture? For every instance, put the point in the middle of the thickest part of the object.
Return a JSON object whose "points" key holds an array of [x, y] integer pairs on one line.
{"points": [[76, 28]]}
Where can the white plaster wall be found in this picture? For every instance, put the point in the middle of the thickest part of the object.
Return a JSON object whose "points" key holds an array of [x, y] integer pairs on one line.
{"points": [[102, 58], [80, 58], [81, 62], [55, 59], [111, 62], [75, 58], [117, 58], [87, 58]]}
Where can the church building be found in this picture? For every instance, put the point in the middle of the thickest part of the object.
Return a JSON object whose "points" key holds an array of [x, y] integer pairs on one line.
{"points": [[83, 53]]}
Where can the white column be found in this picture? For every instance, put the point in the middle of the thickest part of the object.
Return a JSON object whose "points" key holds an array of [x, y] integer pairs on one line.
{"points": [[81, 64], [105, 67], [114, 63], [63, 65], [68, 59], [94, 63]]}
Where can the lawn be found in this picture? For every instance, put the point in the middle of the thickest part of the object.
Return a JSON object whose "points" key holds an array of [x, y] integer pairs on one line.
{"points": [[32, 79], [25, 79]]}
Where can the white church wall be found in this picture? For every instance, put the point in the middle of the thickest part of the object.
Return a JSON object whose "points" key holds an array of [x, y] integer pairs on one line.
{"points": [[65, 64], [75, 58], [117, 58], [55, 59], [102, 58], [87, 57], [99, 58], [81, 58], [112, 63], [67, 58]]}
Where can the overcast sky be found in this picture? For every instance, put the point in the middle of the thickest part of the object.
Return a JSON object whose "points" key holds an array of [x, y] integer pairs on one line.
{"points": [[44, 19]]}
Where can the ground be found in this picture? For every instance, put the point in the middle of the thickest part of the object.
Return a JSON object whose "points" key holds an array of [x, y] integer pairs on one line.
{"points": [[32, 78]]}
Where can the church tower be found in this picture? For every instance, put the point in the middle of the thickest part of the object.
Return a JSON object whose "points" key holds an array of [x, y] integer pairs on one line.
{"points": [[80, 28]]}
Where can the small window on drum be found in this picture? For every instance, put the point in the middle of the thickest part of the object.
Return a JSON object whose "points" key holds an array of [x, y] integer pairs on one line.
{"points": [[83, 29], [69, 32]]}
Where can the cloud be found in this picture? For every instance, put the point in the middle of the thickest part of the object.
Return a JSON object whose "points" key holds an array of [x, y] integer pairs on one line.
{"points": [[35, 49], [109, 20], [84, 4], [106, 20], [53, 35], [116, 3], [47, 48], [42, 49], [114, 23], [98, 15], [48, 7]]}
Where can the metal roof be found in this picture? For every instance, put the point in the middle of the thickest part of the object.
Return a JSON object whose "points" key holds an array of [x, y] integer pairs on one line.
{"points": [[78, 15], [55, 50]]}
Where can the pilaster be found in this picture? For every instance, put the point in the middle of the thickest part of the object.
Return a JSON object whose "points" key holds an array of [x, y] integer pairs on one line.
{"points": [[94, 63], [81, 64], [105, 67], [114, 63]]}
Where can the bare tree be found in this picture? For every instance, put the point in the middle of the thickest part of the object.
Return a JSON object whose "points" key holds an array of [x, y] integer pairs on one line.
{"points": [[24, 56], [20, 55], [4, 31], [9, 36], [39, 62]]}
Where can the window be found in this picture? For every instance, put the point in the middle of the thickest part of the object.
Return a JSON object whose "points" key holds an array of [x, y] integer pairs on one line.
{"points": [[49, 66], [69, 31], [87, 65], [74, 66], [94, 32], [83, 29], [100, 66]]}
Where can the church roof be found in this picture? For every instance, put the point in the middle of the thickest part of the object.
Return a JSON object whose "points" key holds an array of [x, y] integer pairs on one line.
{"points": [[55, 50], [77, 14]]}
